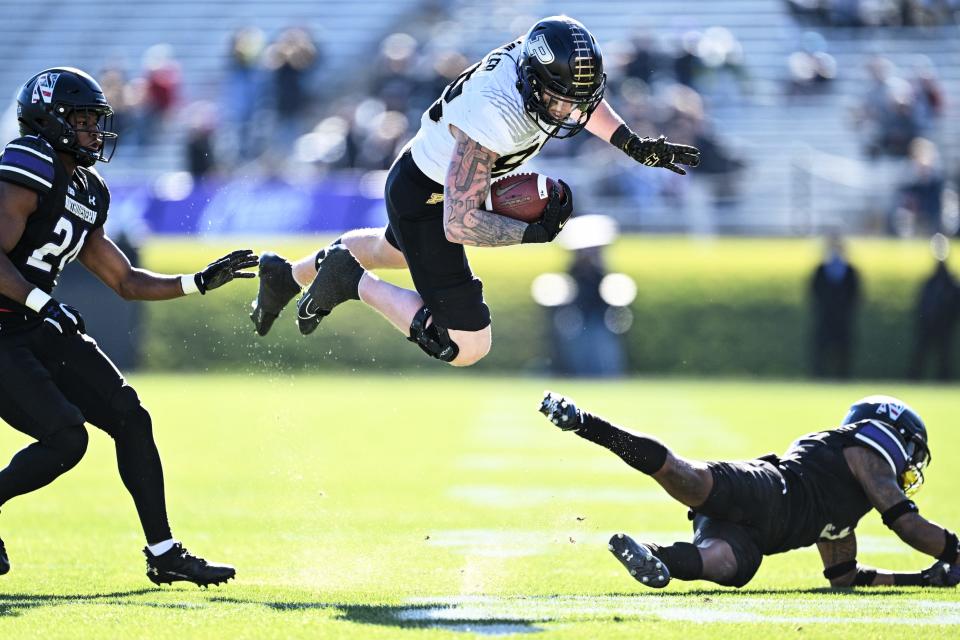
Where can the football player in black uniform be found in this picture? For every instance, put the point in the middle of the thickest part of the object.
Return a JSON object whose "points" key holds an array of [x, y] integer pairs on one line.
{"points": [[494, 117], [53, 378], [814, 494]]}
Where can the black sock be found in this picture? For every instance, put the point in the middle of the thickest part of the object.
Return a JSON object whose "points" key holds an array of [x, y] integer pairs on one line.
{"points": [[42, 462], [682, 559], [643, 453]]}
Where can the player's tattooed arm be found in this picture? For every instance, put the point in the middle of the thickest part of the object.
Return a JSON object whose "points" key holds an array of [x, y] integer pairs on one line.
{"points": [[465, 191], [836, 552], [883, 490]]}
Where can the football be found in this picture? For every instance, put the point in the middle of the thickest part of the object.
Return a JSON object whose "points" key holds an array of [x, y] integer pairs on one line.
{"points": [[521, 196]]}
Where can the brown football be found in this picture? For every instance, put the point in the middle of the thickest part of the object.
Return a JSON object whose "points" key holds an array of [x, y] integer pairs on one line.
{"points": [[521, 196]]}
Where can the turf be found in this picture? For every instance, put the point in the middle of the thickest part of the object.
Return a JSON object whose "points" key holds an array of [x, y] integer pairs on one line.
{"points": [[441, 507]]}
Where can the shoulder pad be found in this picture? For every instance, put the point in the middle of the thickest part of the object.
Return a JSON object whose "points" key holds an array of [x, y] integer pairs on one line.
{"points": [[884, 440], [29, 162]]}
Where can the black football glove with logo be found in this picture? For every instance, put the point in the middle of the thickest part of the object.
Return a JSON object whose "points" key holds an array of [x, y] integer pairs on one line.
{"points": [[220, 272], [941, 574], [655, 152], [555, 215], [63, 318]]}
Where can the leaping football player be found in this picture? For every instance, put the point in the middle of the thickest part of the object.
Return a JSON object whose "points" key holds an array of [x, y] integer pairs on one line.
{"points": [[816, 493], [53, 377], [494, 117]]}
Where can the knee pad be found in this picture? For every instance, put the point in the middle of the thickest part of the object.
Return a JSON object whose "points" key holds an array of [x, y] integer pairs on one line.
{"points": [[70, 442], [434, 340]]}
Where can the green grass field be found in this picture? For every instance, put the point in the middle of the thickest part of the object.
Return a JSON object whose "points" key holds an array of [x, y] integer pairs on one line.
{"points": [[441, 507]]}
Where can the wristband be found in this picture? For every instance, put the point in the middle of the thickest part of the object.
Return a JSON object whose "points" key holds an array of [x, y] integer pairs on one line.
{"points": [[837, 570], [188, 282], [620, 137], [865, 577], [910, 580], [951, 548], [902, 508], [36, 299]]}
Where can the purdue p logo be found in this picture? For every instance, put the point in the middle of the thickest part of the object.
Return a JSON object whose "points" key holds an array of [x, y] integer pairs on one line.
{"points": [[539, 48], [435, 198]]}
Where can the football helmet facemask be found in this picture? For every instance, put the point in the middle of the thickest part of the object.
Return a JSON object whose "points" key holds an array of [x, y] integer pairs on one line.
{"points": [[909, 427], [560, 76], [48, 99]]}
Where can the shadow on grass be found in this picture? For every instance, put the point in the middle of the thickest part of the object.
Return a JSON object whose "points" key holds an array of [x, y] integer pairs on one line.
{"points": [[733, 593]]}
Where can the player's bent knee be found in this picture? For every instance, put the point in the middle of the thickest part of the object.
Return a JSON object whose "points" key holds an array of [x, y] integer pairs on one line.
{"points": [[433, 339], [474, 346], [70, 443], [729, 563], [131, 417]]}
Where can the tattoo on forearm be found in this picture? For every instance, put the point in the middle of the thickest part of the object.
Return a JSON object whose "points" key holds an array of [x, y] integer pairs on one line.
{"points": [[468, 182], [836, 551]]}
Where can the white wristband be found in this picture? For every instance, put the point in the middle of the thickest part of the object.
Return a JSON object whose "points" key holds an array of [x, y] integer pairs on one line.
{"points": [[36, 299], [189, 284]]}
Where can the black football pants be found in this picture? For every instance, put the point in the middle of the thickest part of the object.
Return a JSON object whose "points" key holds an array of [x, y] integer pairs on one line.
{"points": [[50, 385]]}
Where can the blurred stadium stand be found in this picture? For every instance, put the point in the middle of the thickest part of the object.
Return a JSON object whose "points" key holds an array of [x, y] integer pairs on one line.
{"points": [[806, 167]]}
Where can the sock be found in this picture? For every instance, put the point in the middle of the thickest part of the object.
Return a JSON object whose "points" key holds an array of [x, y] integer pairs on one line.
{"points": [[641, 452], [682, 559], [161, 548]]}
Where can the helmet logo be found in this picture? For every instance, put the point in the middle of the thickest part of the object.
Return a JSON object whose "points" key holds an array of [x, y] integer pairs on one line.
{"points": [[538, 47], [43, 89], [892, 410]]}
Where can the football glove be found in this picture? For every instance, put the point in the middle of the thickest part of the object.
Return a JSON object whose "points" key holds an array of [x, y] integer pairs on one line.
{"points": [[941, 574], [561, 411], [63, 318], [555, 215], [656, 152], [220, 272]]}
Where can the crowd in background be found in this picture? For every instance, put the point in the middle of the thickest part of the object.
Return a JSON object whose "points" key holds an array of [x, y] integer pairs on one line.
{"points": [[877, 13], [277, 112]]}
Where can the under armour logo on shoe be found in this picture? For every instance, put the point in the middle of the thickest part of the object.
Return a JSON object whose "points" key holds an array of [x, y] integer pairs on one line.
{"points": [[626, 554]]}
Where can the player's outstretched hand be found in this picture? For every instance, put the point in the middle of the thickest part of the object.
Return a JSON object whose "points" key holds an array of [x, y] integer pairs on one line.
{"points": [[561, 411], [558, 210], [62, 318], [657, 152], [942, 574], [220, 272]]}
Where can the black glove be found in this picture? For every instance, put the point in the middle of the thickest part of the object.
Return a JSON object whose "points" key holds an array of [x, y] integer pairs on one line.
{"points": [[561, 411], [62, 317], [941, 574], [556, 214], [222, 271], [655, 152]]}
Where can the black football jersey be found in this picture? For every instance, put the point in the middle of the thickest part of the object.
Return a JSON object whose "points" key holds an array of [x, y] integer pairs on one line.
{"points": [[825, 500], [69, 208]]}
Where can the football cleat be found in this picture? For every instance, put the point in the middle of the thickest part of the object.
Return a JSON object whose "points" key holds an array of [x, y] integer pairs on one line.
{"points": [[277, 288], [338, 280], [561, 411], [645, 567], [178, 564], [4, 559]]}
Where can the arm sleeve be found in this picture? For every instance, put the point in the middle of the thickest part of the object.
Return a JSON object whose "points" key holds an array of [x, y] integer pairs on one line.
{"points": [[28, 162]]}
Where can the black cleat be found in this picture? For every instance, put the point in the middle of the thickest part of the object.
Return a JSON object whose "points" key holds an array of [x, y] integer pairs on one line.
{"points": [[338, 280], [179, 564], [561, 411], [277, 288], [645, 567], [4, 560]]}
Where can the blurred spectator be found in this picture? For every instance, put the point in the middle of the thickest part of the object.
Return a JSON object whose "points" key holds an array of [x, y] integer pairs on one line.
{"points": [[919, 199], [159, 91], [241, 90], [588, 306], [116, 89], [811, 68], [937, 313], [201, 160], [888, 111], [930, 96], [835, 295], [291, 61]]}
